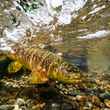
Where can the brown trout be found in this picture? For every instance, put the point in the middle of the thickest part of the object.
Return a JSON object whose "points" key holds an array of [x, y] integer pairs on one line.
{"points": [[45, 65]]}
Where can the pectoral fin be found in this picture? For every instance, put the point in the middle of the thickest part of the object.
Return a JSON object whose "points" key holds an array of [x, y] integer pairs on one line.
{"points": [[14, 67], [38, 77]]}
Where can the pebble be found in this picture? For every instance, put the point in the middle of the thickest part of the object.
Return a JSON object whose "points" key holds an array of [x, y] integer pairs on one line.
{"points": [[53, 106], [105, 95], [96, 108], [66, 106], [38, 107], [16, 107], [6, 107], [20, 102], [107, 102], [106, 109], [89, 105], [96, 100], [81, 98], [73, 93]]}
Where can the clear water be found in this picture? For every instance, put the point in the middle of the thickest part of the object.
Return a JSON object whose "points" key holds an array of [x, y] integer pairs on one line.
{"points": [[80, 32]]}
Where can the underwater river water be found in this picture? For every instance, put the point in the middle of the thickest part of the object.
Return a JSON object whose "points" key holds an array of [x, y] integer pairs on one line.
{"points": [[81, 31], [81, 35]]}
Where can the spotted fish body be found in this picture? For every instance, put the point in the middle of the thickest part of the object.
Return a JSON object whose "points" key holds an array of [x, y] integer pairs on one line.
{"points": [[45, 65]]}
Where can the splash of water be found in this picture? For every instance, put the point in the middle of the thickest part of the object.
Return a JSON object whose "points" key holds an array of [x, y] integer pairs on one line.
{"points": [[36, 16]]}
